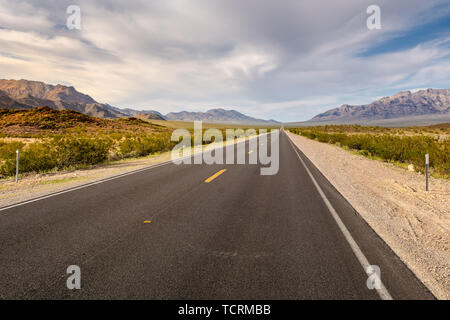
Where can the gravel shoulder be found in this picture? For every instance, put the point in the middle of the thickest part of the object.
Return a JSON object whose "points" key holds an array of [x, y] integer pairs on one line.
{"points": [[34, 185], [414, 223]]}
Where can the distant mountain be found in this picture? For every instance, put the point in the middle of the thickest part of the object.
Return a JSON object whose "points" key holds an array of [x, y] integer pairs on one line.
{"points": [[8, 103], [152, 114], [430, 102], [25, 94], [215, 116], [148, 116], [30, 94]]}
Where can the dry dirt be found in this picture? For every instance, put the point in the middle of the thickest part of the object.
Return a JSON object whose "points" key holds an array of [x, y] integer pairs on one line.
{"points": [[413, 222]]}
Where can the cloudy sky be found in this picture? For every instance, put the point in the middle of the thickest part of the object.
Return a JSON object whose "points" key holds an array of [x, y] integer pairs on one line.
{"points": [[287, 60]]}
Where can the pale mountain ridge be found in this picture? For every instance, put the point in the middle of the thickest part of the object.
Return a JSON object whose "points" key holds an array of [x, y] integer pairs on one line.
{"points": [[148, 116], [215, 116], [134, 113], [401, 105]]}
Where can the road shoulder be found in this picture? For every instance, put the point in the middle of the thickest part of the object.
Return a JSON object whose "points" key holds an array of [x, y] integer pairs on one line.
{"points": [[415, 224]]}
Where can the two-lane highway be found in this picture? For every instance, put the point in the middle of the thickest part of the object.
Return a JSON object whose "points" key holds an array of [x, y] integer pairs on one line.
{"points": [[198, 232]]}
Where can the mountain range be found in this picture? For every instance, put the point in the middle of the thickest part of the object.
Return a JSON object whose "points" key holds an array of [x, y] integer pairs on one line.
{"points": [[430, 103], [215, 115], [26, 94], [411, 108]]}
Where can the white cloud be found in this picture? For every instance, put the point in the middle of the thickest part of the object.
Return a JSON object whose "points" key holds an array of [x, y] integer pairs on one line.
{"points": [[273, 59]]}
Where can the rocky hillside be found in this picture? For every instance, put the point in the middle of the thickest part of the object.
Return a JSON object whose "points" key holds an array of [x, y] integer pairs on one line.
{"points": [[25, 94], [44, 120], [150, 114], [8, 103], [215, 115], [401, 105], [30, 94]]}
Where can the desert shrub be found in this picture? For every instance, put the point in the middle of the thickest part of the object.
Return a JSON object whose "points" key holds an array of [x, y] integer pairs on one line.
{"points": [[34, 157], [389, 147], [37, 157], [65, 150], [137, 146], [8, 149], [72, 151]]}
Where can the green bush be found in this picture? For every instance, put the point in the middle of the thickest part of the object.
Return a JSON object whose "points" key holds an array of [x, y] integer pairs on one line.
{"points": [[81, 149], [72, 151], [389, 147], [138, 146], [35, 157], [8, 149]]}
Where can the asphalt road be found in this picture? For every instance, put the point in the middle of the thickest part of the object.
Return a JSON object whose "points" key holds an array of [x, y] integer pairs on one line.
{"points": [[240, 236]]}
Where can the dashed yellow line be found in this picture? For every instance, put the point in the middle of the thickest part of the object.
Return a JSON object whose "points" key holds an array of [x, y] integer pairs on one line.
{"points": [[147, 221], [215, 175]]}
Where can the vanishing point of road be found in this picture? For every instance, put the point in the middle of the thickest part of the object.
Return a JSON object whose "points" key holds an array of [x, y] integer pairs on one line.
{"points": [[198, 232]]}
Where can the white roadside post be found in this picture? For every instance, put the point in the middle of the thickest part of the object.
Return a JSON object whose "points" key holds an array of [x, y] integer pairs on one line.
{"points": [[17, 165], [427, 164]]}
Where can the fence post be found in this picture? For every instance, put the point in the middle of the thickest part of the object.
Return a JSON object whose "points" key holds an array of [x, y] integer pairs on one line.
{"points": [[427, 164], [17, 165]]}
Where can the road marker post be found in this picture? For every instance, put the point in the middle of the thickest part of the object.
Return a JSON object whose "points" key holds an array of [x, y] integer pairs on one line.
{"points": [[427, 172], [17, 165]]}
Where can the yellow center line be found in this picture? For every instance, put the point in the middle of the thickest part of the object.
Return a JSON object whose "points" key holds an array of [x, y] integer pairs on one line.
{"points": [[147, 221], [215, 175]]}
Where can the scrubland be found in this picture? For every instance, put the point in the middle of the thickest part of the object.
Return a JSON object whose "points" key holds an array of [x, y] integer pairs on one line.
{"points": [[52, 140], [401, 146]]}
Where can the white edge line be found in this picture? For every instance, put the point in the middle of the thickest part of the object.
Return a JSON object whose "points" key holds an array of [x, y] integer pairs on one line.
{"points": [[382, 292], [84, 186], [115, 177]]}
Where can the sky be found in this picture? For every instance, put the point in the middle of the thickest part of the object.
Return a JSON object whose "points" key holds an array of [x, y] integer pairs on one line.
{"points": [[271, 59]]}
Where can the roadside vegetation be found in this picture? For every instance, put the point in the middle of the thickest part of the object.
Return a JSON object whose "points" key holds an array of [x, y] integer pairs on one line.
{"points": [[52, 140], [402, 146]]}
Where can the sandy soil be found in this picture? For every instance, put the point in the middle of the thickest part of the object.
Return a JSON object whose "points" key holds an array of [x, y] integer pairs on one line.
{"points": [[414, 223]]}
